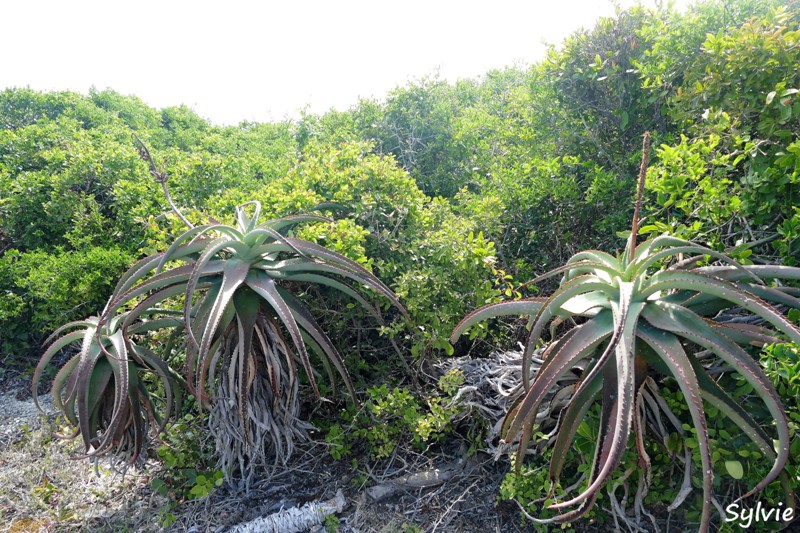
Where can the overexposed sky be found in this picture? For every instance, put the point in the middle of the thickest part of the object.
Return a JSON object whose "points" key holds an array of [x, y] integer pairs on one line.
{"points": [[237, 60]]}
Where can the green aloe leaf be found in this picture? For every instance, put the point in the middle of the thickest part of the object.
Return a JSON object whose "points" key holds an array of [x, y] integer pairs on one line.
{"points": [[526, 306]]}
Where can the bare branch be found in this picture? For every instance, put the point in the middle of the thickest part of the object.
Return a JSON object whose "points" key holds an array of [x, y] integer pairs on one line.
{"points": [[160, 177]]}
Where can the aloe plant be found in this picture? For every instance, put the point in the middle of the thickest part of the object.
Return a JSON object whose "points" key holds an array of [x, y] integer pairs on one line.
{"points": [[103, 391], [634, 316], [234, 283]]}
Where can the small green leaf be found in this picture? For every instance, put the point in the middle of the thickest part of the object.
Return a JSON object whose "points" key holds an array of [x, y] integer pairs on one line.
{"points": [[735, 469]]}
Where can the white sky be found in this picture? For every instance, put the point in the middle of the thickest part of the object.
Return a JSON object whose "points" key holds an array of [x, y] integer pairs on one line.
{"points": [[237, 60]]}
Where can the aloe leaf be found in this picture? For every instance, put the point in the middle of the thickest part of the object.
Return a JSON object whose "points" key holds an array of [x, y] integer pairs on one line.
{"points": [[59, 382], [669, 349], [771, 294], [90, 353], [147, 304], [265, 286], [135, 407], [247, 306], [233, 277], [98, 382], [525, 306], [716, 396], [683, 322], [185, 237], [574, 268], [47, 357], [140, 268], [609, 384], [90, 322], [626, 313], [370, 281], [323, 357], [762, 271], [258, 236], [143, 268], [287, 222], [178, 250], [708, 304], [571, 418], [329, 255], [570, 289], [159, 281], [608, 260], [637, 268], [577, 346], [581, 305], [246, 223], [307, 322], [746, 333], [724, 290], [120, 365], [171, 392], [339, 286], [214, 248], [157, 324]]}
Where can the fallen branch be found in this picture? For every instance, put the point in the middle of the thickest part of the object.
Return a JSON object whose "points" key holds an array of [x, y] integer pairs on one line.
{"points": [[418, 480], [294, 519]]}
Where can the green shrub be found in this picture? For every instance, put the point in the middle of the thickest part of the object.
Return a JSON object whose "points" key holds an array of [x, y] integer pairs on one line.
{"points": [[43, 290]]}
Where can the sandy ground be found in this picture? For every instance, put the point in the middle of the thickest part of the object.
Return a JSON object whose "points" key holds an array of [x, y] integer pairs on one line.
{"points": [[45, 486]]}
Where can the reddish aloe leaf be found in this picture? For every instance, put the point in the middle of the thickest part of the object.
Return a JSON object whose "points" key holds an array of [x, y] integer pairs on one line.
{"points": [[567, 291], [625, 325], [121, 366], [171, 392], [329, 352], [573, 268], [577, 346], [571, 418], [681, 321], [526, 306], [47, 357], [638, 268], [723, 290], [669, 349], [247, 306], [339, 286], [234, 274], [59, 384], [762, 271], [213, 249], [316, 267], [287, 222], [746, 333], [265, 286]]}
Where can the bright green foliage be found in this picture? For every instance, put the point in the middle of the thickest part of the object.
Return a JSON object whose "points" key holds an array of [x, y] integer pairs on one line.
{"points": [[187, 458], [390, 417], [41, 289], [637, 318], [735, 167], [459, 269], [189, 473], [416, 125]]}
